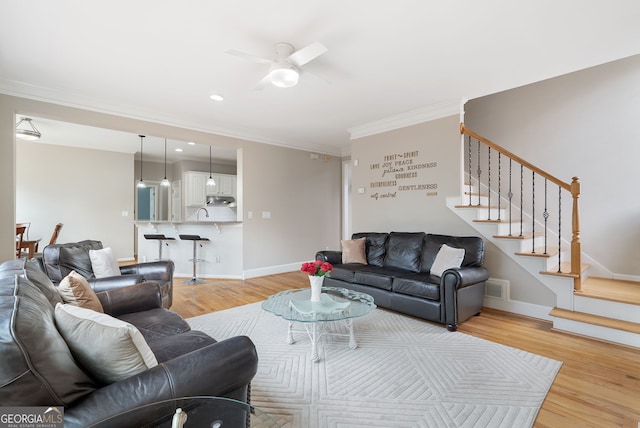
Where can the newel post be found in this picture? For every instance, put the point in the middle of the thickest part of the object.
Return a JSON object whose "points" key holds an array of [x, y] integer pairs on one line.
{"points": [[575, 236]]}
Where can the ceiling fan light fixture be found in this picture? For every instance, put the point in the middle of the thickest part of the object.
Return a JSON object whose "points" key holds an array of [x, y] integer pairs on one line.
{"points": [[284, 76], [25, 130]]}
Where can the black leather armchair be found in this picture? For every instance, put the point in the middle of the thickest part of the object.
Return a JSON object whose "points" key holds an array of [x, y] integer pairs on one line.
{"points": [[59, 259], [38, 368]]}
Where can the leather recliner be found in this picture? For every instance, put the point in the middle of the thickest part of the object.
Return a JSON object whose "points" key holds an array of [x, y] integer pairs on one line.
{"points": [[38, 368], [58, 260]]}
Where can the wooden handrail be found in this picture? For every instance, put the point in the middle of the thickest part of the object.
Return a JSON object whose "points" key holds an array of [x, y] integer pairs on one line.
{"points": [[563, 184], [573, 188]]}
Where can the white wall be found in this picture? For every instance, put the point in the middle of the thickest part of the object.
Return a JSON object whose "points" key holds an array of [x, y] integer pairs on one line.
{"points": [[86, 190], [582, 124], [303, 195]]}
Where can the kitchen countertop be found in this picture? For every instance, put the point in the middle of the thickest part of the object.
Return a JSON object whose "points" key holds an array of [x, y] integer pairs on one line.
{"points": [[203, 223]]}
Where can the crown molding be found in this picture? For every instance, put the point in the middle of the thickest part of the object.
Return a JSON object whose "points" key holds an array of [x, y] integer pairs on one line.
{"points": [[414, 117], [52, 96]]}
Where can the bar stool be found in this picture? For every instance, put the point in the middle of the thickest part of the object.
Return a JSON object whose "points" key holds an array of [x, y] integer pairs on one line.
{"points": [[195, 239], [162, 240]]}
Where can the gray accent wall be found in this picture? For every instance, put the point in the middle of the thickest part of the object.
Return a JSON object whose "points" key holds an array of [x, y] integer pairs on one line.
{"points": [[582, 124]]}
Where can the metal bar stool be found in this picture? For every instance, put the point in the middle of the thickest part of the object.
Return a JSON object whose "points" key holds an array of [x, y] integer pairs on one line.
{"points": [[195, 239], [161, 240]]}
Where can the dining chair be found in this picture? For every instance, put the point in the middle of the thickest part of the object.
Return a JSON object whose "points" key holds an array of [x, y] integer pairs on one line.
{"points": [[56, 232], [20, 231]]}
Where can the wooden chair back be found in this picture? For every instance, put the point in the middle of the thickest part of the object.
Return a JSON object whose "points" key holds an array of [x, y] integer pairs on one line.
{"points": [[56, 232], [20, 231]]}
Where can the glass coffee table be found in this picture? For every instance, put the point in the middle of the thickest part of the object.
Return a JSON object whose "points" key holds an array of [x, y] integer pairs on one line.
{"points": [[336, 305], [201, 411]]}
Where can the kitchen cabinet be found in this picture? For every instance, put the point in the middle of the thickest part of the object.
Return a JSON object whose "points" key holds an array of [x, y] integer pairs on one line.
{"points": [[225, 185], [197, 189]]}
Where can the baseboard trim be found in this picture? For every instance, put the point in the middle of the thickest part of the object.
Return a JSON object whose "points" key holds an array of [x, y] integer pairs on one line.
{"points": [[271, 270], [518, 307]]}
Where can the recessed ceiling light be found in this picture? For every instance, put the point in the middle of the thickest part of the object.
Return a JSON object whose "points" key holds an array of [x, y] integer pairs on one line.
{"points": [[191, 143], [216, 97], [178, 149]]}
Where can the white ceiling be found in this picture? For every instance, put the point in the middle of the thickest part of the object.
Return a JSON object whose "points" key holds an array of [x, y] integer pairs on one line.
{"points": [[160, 60]]}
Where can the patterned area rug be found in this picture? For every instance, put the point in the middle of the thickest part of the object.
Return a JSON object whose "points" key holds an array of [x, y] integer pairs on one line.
{"points": [[404, 373]]}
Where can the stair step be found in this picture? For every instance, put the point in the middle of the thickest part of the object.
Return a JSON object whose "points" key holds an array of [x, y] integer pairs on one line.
{"points": [[614, 290], [628, 326], [494, 221], [539, 252], [479, 206], [525, 235], [565, 270]]}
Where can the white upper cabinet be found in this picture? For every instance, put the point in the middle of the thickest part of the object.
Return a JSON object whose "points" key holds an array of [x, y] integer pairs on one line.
{"points": [[197, 189]]}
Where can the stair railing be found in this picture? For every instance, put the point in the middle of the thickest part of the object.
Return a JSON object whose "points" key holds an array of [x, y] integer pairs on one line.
{"points": [[515, 197]]}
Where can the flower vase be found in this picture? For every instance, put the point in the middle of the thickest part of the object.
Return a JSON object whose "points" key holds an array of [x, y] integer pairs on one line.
{"points": [[316, 287]]}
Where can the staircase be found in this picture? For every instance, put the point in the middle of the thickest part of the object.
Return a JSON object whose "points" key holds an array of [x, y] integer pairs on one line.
{"points": [[589, 301]]}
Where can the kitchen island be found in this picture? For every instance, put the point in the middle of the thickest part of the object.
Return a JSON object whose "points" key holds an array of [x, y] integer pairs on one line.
{"points": [[222, 254]]}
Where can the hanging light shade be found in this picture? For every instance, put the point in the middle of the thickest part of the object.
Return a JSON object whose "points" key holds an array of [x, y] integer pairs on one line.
{"points": [[210, 181], [25, 130], [165, 181], [141, 183]]}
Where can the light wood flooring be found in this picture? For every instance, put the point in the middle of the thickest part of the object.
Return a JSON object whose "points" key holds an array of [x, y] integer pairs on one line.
{"points": [[597, 386]]}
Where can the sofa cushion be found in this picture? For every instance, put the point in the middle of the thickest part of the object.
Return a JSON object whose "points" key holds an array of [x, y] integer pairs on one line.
{"points": [[375, 246], [376, 277], [447, 258], [104, 263], [169, 347], [354, 250], [110, 349], [418, 284], [344, 272], [37, 277], [37, 367], [473, 249], [75, 290], [404, 250], [156, 323]]}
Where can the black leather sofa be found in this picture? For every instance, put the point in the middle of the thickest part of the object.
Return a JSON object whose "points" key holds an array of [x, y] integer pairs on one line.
{"points": [[38, 368], [59, 259], [397, 275]]}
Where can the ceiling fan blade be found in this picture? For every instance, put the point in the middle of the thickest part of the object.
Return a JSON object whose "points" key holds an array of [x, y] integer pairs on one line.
{"points": [[307, 54], [249, 57], [263, 83]]}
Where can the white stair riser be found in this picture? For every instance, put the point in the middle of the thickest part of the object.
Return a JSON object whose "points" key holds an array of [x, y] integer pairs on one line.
{"points": [[604, 333], [607, 308]]}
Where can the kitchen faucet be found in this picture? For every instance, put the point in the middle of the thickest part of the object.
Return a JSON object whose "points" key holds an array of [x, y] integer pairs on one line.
{"points": [[206, 213]]}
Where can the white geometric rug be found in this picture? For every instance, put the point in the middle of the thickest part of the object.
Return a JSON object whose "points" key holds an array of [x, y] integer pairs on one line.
{"points": [[404, 373]]}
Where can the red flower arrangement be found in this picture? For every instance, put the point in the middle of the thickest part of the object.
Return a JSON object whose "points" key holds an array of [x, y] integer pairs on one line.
{"points": [[317, 268]]}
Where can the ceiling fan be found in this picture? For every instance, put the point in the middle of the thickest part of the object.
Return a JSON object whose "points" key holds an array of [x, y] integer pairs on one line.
{"points": [[285, 68]]}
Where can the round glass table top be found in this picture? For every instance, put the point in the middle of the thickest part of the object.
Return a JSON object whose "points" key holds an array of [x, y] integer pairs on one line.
{"points": [[335, 304], [201, 411]]}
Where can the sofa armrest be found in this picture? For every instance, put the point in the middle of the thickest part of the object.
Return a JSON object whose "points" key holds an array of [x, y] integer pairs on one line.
{"points": [[114, 282], [465, 276], [228, 365], [331, 256], [161, 271], [135, 298]]}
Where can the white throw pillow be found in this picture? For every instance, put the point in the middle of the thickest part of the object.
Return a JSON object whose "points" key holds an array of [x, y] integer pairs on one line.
{"points": [[108, 348], [104, 263], [447, 258]]}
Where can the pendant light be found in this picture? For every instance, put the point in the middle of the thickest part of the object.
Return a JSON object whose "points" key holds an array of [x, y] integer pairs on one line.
{"points": [[141, 183], [165, 181], [25, 130], [210, 181]]}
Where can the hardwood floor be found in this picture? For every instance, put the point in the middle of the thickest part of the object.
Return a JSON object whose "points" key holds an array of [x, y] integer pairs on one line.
{"points": [[597, 386]]}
